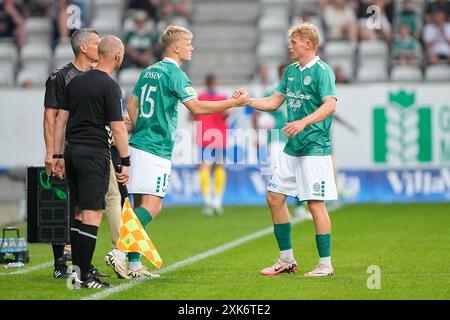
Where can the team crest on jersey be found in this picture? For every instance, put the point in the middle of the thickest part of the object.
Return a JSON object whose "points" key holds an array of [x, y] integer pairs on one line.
{"points": [[316, 187], [191, 91], [307, 80]]}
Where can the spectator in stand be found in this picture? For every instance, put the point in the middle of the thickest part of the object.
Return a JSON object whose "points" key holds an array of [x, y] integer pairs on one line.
{"points": [[174, 12], [141, 42], [175, 8], [409, 17], [340, 21], [436, 37], [149, 6], [36, 8], [58, 11], [405, 47], [341, 76], [365, 18], [435, 5], [12, 22]]}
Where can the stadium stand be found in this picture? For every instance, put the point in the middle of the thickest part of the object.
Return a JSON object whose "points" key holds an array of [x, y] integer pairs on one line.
{"points": [[437, 73], [233, 43]]}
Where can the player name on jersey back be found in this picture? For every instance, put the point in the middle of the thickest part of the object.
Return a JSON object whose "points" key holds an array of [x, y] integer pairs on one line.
{"points": [[152, 75]]}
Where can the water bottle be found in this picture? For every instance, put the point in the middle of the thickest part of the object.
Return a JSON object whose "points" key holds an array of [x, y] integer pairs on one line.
{"points": [[22, 250], [12, 246], [14, 265]]}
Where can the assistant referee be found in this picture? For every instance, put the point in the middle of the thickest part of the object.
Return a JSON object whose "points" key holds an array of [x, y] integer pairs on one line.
{"points": [[93, 114]]}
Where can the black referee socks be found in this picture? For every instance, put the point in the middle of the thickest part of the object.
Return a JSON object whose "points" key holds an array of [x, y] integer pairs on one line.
{"points": [[87, 239]]}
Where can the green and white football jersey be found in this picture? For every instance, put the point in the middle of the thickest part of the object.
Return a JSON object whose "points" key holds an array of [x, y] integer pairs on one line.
{"points": [[159, 90], [304, 89]]}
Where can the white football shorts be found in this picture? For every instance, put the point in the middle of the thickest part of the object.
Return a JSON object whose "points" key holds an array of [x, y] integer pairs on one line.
{"points": [[304, 177], [149, 173]]}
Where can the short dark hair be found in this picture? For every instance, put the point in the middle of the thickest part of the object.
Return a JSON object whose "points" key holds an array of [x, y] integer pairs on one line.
{"points": [[79, 37], [210, 80]]}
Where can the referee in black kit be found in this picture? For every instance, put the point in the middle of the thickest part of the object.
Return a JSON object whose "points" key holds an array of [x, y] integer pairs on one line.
{"points": [[93, 114], [85, 47]]}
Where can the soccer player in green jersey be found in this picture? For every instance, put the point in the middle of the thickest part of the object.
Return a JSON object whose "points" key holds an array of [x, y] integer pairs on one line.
{"points": [[153, 109], [305, 168]]}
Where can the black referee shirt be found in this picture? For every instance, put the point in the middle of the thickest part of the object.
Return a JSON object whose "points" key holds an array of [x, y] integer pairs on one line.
{"points": [[56, 85], [93, 99]]}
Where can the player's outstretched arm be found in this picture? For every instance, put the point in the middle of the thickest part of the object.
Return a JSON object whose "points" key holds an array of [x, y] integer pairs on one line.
{"points": [[271, 103], [328, 107], [198, 107]]}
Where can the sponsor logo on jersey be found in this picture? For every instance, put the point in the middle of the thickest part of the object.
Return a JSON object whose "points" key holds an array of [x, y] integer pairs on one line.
{"points": [[191, 91], [307, 80]]}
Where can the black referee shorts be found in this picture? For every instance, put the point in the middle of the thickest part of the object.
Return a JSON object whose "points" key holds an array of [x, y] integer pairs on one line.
{"points": [[87, 174]]}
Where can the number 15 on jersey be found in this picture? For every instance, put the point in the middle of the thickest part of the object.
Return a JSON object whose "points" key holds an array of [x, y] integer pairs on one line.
{"points": [[145, 97]]}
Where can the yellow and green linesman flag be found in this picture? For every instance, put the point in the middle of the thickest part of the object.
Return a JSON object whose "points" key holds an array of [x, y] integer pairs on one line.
{"points": [[133, 237]]}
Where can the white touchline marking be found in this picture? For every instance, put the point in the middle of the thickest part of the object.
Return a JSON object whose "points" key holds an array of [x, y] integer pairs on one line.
{"points": [[230, 245], [26, 270]]}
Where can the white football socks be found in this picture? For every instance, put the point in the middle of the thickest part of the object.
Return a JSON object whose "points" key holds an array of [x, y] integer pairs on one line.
{"points": [[325, 261], [134, 266], [119, 254], [287, 255]]}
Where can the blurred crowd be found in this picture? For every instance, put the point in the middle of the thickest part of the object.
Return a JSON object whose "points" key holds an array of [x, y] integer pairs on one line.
{"points": [[415, 32], [139, 24]]}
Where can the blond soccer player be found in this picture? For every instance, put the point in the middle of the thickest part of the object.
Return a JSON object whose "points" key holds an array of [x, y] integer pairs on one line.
{"points": [[305, 169], [153, 109]]}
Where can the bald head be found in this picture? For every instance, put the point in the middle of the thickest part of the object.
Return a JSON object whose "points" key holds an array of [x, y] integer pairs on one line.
{"points": [[109, 46], [111, 51]]}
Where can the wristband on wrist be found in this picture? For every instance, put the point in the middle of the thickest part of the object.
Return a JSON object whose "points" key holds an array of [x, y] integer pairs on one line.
{"points": [[125, 161], [58, 156]]}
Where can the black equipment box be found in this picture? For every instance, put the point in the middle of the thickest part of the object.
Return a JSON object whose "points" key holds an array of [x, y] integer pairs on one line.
{"points": [[48, 208]]}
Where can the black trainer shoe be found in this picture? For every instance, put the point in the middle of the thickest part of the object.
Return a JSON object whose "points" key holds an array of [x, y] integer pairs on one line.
{"points": [[96, 273], [61, 272], [94, 283]]}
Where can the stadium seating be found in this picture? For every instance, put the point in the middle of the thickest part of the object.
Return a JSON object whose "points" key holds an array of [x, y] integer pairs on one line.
{"points": [[305, 5], [8, 53], [37, 57], [224, 40], [406, 73], [340, 53], [437, 73], [258, 30], [7, 72], [30, 75], [63, 55], [38, 30], [128, 77], [370, 73], [107, 26]]}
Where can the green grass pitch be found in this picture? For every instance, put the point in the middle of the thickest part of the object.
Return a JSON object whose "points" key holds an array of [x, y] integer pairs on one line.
{"points": [[410, 243]]}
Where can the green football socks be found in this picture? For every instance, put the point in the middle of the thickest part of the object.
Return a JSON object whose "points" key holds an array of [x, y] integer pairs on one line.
{"points": [[323, 242], [283, 235]]}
